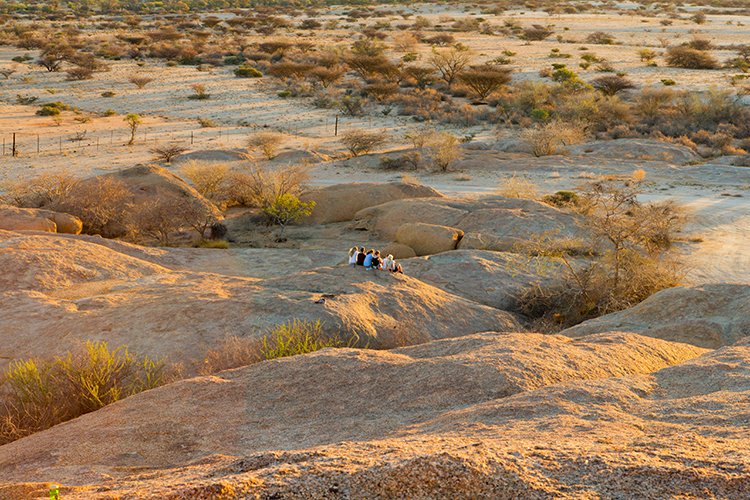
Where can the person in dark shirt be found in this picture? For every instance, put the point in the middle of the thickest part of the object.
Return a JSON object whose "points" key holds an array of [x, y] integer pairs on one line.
{"points": [[361, 256], [376, 261]]}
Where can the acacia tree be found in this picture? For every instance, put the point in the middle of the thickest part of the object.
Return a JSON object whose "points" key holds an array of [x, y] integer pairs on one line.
{"points": [[133, 120], [287, 208], [485, 80], [450, 62]]}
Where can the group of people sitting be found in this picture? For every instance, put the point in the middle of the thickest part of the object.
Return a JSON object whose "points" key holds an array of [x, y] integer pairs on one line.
{"points": [[371, 259]]}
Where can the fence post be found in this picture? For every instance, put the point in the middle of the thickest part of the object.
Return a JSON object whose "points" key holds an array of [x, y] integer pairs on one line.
{"points": [[3, 146], [191, 137], [13, 151], [37, 144], [336, 127], [60, 145]]}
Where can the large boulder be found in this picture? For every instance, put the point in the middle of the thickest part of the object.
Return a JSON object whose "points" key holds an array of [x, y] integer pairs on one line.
{"points": [[495, 223], [637, 149], [707, 316], [33, 219], [384, 220], [428, 239], [398, 250], [341, 202], [496, 279]]}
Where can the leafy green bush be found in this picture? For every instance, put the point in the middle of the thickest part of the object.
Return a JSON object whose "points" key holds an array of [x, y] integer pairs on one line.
{"points": [[37, 394], [247, 72]]}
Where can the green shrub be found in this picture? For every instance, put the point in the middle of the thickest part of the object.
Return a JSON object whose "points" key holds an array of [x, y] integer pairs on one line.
{"points": [[297, 337], [247, 72], [38, 394], [562, 199]]}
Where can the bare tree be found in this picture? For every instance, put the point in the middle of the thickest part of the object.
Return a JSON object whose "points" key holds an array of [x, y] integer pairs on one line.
{"points": [[450, 62]]}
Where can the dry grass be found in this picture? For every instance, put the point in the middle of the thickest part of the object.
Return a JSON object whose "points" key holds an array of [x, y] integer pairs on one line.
{"points": [[518, 187], [37, 394]]}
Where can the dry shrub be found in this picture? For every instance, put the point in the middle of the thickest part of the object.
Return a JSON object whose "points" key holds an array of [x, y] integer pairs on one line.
{"points": [[100, 202], [265, 142], [690, 58], [42, 191], [631, 261], [611, 84], [208, 179], [38, 394], [537, 32], [518, 187], [161, 217], [443, 148], [232, 352], [259, 187], [547, 139], [360, 141]]}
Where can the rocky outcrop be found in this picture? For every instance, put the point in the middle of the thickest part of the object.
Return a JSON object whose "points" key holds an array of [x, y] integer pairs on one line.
{"points": [[341, 202], [496, 279], [58, 291], [707, 316], [637, 149], [486, 416], [428, 239], [147, 183], [489, 222]]}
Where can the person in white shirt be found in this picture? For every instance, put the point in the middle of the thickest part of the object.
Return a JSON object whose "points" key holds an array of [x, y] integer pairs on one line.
{"points": [[353, 252]]}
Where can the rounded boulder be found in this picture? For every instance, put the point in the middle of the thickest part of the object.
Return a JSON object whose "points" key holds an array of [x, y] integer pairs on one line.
{"points": [[428, 239]]}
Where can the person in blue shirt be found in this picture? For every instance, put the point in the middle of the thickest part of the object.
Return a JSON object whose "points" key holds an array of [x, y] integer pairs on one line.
{"points": [[368, 260]]}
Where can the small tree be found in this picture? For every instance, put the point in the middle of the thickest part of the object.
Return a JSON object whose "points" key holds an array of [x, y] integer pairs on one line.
{"points": [[140, 81], [611, 84], [287, 208], [133, 120], [359, 141], [450, 62], [168, 152], [485, 80]]}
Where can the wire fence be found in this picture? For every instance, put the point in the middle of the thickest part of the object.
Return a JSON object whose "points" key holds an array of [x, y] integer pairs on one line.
{"points": [[85, 142], [24, 144]]}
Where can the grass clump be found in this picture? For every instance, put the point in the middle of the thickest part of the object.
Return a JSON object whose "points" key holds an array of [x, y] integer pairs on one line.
{"points": [[38, 394], [297, 337]]}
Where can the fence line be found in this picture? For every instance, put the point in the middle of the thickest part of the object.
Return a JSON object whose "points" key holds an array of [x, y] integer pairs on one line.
{"points": [[24, 145]]}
